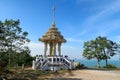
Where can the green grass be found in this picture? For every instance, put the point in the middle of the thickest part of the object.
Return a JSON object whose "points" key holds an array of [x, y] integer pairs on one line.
{"points": [[110, 66]]}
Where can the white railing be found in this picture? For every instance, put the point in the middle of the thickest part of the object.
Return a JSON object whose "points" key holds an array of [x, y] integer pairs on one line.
{"points": [[37, 66], [44, 63], [67, 63], [41, 64]]}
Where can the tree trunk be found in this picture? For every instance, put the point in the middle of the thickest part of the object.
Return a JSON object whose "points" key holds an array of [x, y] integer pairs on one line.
{"points": [[10, 54], [106, 62], [98, 64], [9, 60]]}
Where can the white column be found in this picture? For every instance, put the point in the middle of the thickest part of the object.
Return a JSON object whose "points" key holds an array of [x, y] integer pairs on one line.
{"points": [[45, 48], [33, 65]]}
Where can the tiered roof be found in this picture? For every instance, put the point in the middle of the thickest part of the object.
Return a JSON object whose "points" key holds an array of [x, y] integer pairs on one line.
{"points": [[52, 35]]}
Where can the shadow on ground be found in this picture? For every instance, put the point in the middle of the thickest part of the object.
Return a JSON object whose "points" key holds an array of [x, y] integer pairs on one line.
{"points": [[39, 75], [63, 79]]}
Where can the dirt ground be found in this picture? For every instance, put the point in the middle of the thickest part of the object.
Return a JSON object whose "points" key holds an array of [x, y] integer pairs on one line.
{"points": [[89, 75], [85, 74]]}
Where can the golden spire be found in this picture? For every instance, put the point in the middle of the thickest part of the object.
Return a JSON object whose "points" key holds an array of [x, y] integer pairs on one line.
{"points": [[53, 22]]}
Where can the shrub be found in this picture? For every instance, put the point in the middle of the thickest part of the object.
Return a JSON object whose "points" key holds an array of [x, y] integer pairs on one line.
{"points": [[61, 68], [80, 66], [1, 67], [110, 66], [69, 69]]}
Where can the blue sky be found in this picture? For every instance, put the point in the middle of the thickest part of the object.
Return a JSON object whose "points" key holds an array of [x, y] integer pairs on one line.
{"points": [[78, 21]]}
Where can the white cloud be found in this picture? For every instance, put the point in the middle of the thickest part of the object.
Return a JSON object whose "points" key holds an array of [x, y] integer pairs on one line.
{"points": [[96, 23], [116, 38], [109, 28], [81, 33], [74, 40], [71, 51], [106, 11], [36, 48]]}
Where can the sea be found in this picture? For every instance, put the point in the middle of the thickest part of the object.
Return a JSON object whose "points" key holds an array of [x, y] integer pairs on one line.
{"points": [[93, 63]]}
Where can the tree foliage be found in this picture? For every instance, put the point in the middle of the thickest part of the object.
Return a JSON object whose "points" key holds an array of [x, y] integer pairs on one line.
{"points": [[12, 41], [101, 49]]}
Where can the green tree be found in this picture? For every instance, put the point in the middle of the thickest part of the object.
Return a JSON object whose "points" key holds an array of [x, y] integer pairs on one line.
{"points": [[23, 57], [12, 38], [101, 49], [108, 48], [2, 37], [92, 51]]}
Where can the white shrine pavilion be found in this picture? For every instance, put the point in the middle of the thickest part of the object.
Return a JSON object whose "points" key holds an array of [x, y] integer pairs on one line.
{"points": [[52, 61]]}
